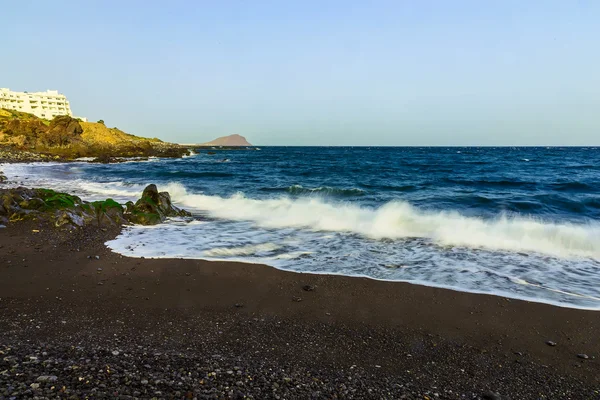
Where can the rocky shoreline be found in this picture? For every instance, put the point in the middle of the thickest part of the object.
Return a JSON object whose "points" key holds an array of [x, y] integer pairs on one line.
{"points": [[66, 211]]}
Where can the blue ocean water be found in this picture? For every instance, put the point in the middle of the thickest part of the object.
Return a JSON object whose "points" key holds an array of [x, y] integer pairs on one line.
{"points": [[517, 222]]}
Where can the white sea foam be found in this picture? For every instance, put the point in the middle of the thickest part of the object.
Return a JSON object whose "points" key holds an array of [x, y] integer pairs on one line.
{"points": [[396, 220], [241, 251]]}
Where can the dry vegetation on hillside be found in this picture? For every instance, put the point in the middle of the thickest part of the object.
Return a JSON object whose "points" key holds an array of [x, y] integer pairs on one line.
{"points": [[70, 138]]}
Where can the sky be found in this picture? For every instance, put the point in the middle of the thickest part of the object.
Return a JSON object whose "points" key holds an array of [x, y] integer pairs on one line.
{"points": [[393, 73]]}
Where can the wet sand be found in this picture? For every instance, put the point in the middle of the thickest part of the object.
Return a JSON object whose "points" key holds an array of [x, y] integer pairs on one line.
{"points": [[359, 338]]}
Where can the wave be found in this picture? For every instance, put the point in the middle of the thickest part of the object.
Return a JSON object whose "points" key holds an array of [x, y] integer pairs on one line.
{"points": [[491, 183], [322, 190], [399, 220], [193, 174], [573, 187]]}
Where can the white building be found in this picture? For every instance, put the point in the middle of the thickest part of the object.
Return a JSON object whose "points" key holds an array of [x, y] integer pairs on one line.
{"points": [[46, 104]]}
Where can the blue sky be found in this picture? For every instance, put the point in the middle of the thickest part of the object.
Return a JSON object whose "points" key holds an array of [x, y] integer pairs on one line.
{"points": [[318, 72]]}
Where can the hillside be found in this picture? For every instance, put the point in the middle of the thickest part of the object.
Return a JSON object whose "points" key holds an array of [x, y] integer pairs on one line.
{"points": [[70, 138], [231, 140]]}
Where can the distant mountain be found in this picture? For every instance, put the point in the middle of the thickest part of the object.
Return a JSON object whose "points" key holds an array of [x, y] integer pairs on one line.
{"points": [[231, 140]]}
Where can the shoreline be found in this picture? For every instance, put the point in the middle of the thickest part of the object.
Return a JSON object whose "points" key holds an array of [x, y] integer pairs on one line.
{"points": [[383, 329]]}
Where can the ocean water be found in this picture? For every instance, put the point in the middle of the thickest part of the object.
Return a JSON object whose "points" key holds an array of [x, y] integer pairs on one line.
{"points": [[516, 222]]}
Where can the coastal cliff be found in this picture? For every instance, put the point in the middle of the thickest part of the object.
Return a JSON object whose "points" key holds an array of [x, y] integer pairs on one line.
{"points": [[25, 137]]}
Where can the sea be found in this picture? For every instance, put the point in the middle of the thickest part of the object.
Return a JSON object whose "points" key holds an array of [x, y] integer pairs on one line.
{"points": [[517, 222]]}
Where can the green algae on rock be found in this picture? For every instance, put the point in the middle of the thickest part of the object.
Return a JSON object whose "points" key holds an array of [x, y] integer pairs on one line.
{"points": [[70, 212]]}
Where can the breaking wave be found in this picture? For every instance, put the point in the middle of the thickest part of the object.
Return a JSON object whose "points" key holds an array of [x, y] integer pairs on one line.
{"points": [[397, 220]]}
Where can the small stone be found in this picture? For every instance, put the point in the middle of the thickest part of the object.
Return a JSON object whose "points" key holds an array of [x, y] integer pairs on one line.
{"points": [[551, 343], [97, 257], [98, 269], [297, 299], [144, 382], [308, 288], [489, 395], [583, 356], [239, 305], [47, 378], [34, 386], [115, 353]]}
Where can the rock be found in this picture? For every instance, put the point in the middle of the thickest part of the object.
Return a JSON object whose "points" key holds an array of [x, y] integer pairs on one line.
{"points": [[104, 159], [153, 208], [551, 343], [70, 219], [66, 127], [34, 386], [583, 356], [47, 378], [69, 212], [489, 395], [308, 288], [115, 352], [297, 299], [3, 177], [33, 204]]}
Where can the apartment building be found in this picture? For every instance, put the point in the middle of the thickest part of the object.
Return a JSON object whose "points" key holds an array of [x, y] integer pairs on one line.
{"points": [[46, 104]]}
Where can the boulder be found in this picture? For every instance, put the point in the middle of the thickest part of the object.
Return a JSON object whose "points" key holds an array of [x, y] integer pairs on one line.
{"points": [[65, 125], [153, 207]]}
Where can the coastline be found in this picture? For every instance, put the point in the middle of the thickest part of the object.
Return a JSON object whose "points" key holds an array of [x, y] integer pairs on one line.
{"points": [[400, 338]]}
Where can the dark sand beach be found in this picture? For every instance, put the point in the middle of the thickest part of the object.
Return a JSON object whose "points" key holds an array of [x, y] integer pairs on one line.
{"points": [[73, 325]]}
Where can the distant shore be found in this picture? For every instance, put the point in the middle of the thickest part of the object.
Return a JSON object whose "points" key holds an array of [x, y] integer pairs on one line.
{"points": [[321, 335]]}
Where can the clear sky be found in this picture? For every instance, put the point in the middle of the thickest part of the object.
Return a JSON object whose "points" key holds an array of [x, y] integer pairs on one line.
{"points": [[317, 72]]}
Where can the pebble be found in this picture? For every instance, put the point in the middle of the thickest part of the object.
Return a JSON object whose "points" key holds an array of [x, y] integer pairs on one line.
{"points": [[47, 378], [583, 356], [489, 395], [308, 288], [551, 343], [115, 353], [99, 269]]}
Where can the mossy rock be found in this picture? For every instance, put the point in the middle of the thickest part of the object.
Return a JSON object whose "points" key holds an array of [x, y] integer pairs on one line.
{"points": [[106, 205], [145, 218], [58, 200], [33, 204]]}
